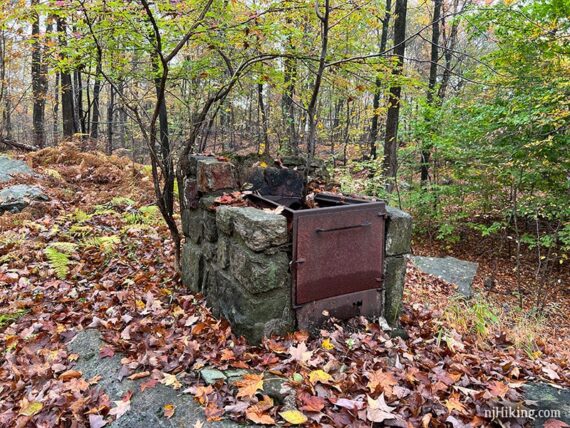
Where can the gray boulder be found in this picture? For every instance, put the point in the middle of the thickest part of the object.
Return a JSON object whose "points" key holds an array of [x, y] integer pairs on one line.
{"points": [[147, 406], [450, 269], [11, 167], [549, 400], [15, 198]]}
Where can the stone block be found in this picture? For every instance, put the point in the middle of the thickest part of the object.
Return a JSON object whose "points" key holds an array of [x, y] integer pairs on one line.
{"points": [[190, 193], [193, 164], [452, 270], [210, 230], [258, 272], [192, 224], [253, 316], [210, 252], [223, 256], [225, 220], [192, 266], [214, 175], [207, 203], [258, 229], [394, 278], [398, 232]]}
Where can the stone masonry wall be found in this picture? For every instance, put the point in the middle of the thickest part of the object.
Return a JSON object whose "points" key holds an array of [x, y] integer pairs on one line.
{"points": [[238, 257], [398, 247]]}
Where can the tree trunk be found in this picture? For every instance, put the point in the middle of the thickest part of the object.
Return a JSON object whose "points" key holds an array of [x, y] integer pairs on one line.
{"points": [[434, 57], [110, 111], [449, 46], [122, 117], [96, 96], [390, 164], [2, 78], [264, 147], [312, 108], [287, 105], [39, 83], [55, 109], [66, 88], [79, 114], [378, 84]]}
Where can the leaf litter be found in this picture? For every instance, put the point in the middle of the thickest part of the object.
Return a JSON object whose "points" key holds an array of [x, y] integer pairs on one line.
{"points": [[354, 374]]}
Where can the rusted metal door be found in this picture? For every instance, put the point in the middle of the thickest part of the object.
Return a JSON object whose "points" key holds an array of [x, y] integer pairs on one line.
{"points": [[338, 250]]}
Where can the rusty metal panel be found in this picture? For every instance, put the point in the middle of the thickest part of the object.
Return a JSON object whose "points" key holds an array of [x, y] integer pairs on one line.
{"points": [[338, 250], [367, 303]]}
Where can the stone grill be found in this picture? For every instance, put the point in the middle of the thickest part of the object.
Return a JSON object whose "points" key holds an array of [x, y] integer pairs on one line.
{"points": [[270, 271]]}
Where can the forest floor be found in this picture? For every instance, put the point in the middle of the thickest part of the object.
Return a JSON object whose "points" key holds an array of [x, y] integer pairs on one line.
{"points": [[97, 256]]}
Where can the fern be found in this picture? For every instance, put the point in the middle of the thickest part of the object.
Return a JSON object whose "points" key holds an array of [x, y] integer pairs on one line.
{"points": [[64, 247], [104, 210], [80, 216], [52, 173], [119, 201], [80, 230], [58, 261], [133, 218], [105, 243], [149, 214]]}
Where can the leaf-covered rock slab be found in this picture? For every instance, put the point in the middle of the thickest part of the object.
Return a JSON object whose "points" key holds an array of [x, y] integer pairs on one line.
{"points": [[149, 404], [15, 198], [450, 269], [11, 167], [548, 398]]}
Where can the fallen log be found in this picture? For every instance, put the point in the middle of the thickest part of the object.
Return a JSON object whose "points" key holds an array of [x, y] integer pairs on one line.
{"points": [[16, 145]]}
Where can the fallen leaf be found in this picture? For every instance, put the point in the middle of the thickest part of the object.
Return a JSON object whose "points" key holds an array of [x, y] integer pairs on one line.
{"points": [[171, 380], [256, 413], [139, 375], [299, 353], [550, 373], [122, 407], [97, 421], [249, 385], [94, 380], [453, 403], [380, 378], [319, 376], [378, 410], [201, 393], [70, 374], [312, 403], [349, 404], [168, 410], [213, 412], [106, 352], [149, 384], [294, 417], [31, 408], [555, 423], [498, 389]]}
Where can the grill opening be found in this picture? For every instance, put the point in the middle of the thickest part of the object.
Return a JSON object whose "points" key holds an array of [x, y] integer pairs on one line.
{"points": [[337, 262]]}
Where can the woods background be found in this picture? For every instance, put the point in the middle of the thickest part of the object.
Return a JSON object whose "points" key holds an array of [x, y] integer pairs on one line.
{"points": [[456, 110]]}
